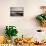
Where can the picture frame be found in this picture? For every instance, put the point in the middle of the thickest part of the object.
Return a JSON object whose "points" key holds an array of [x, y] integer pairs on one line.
{"points": [[16, 11]]}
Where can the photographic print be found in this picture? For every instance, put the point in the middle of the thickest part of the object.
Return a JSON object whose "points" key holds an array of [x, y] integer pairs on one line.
{"points": [[16, 11]]}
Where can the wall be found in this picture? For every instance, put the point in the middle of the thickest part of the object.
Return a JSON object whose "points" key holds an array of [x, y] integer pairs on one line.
{"points": [[27, 24]]}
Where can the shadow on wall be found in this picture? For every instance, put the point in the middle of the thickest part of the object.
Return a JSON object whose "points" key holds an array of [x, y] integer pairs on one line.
{"points": [[34, 22]]}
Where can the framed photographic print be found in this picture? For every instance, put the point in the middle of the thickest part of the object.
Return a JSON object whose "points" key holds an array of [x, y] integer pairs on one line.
{"points": [[16, 11]]}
